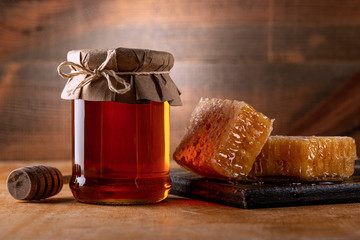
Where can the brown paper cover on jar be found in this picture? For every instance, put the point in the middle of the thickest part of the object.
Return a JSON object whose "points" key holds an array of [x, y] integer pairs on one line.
{"points": [[154, 83]]}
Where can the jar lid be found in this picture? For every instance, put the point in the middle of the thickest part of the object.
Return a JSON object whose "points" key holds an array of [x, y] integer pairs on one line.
{"points": [[120, 75]]}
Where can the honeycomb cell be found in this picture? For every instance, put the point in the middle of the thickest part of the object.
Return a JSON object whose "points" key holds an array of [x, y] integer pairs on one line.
{"points": [[306, 158], [223, 139]]}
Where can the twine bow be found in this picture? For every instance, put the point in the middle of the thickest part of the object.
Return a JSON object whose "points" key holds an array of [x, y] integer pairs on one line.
{"points": [[101, 72]]}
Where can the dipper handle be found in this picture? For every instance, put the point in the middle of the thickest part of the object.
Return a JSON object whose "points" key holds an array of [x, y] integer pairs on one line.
{"points": [[35, 182]]}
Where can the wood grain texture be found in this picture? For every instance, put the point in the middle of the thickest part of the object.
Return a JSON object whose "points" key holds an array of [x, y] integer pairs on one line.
{"points": [[283, 57], [241, 30], [35, 123], [336, 114], [294, 43], [315, 13], [61, 217]]}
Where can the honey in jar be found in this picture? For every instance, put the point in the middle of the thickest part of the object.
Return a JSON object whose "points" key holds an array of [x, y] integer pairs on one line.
{"points": [[120, 141]]}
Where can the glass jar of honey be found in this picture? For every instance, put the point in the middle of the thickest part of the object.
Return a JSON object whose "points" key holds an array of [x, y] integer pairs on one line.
{"points": [[121, 128]]}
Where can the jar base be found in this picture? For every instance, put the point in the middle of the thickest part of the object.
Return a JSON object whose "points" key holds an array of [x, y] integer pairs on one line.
{"points": [[121, 201], [121, 191]]}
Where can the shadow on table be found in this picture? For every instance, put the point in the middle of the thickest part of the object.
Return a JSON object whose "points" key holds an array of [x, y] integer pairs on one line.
{"points": [[182, 201], [54, 200], [171, 200]]}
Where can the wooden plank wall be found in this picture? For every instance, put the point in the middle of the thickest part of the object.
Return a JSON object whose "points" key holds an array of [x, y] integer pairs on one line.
{"points": [[283, 57]]}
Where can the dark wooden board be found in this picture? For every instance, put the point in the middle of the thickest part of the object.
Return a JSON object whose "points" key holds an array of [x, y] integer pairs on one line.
{"points": [[264, 194]]}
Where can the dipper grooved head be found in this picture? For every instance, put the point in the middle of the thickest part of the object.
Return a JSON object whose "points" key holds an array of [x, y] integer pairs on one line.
{"points": [[35, 182]]}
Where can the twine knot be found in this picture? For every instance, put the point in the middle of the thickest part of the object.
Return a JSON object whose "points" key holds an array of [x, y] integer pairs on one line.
{"points": [[97, 72]]}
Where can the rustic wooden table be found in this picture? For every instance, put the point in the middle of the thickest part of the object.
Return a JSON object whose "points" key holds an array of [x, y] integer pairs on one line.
{"points": [[61, 217]]}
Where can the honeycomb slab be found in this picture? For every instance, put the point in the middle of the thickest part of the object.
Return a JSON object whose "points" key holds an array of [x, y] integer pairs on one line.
{"points": [[307, 158], [223, 139]]}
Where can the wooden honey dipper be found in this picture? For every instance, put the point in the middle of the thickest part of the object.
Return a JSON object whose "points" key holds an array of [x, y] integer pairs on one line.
{"points": [[35, 182]]}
